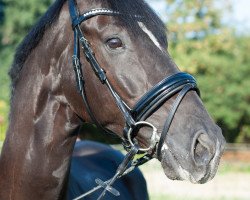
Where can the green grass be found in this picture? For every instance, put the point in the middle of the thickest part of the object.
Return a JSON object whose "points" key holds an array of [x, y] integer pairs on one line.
{"points": [[169, 197], [235, 167]]}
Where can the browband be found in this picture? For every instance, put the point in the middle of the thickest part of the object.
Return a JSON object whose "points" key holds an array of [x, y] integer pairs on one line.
{"points": [[92, 13]]}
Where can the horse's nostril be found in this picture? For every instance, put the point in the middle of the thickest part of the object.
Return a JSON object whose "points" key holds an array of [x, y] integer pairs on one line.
{"points": [[202, 149]]}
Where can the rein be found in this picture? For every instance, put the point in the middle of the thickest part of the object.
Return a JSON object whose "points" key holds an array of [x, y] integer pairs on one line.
{"points": [[179, 83]]}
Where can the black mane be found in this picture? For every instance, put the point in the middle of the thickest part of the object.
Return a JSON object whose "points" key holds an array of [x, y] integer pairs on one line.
{"points": [[129, 8], [33, 38]]}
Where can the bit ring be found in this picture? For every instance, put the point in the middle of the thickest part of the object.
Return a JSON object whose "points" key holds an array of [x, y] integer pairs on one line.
{"points": [[152, 139]]}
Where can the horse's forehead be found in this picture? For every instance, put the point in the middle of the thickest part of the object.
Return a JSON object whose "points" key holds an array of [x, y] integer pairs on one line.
{"points": [[84, 6], [101, 25]]}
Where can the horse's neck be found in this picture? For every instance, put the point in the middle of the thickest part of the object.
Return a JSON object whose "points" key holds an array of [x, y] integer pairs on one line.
{"points": [[36, 154], [39, 142]]}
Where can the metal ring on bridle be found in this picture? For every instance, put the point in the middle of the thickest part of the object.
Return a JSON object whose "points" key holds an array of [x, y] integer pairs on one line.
{"points": [[152, 139]]}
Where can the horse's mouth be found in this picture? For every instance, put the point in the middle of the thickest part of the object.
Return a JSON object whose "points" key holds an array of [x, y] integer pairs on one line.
{"points": [[212, 167], [175, 171]]}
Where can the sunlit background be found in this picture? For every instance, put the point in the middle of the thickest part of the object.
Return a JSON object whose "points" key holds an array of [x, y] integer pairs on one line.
{"points": [[208, 38], [238, 16]]}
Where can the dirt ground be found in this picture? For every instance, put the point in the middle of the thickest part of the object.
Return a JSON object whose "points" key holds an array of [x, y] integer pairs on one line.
{"points": [[225, 185]]}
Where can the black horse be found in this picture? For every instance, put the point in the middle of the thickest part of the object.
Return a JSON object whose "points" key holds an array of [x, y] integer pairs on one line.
{"points": [[130, 43]]}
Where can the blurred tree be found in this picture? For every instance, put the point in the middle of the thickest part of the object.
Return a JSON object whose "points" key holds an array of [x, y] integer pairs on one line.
{"points": [[1, 11], [201, 44], [16, 18], [1, 17], [20, 16], [194, 19]]}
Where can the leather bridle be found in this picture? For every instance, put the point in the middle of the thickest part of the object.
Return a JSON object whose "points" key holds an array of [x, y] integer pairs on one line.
{"points": [[179, 83]]}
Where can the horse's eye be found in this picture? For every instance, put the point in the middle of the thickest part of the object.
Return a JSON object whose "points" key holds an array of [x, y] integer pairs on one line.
{"points": [[114, 43]]}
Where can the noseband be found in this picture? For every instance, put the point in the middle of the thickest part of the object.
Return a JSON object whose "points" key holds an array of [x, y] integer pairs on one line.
{"points": [[179, 83]]}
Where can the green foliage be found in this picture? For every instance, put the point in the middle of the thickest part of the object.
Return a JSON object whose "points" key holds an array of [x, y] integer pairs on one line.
{"points": [[3, 118], [20, 17], [244, 135], [194, 19], [16, 18]]}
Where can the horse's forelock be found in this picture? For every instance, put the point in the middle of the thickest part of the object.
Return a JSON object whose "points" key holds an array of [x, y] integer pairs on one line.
{"points": [[138, 10]]}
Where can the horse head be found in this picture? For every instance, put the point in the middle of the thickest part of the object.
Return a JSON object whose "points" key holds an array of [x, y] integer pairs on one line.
{"points": [[131, 46]]}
